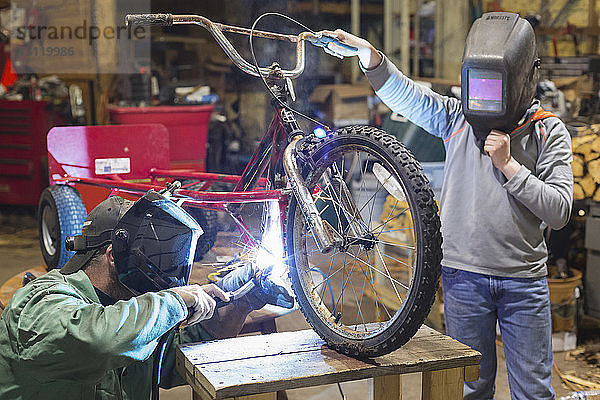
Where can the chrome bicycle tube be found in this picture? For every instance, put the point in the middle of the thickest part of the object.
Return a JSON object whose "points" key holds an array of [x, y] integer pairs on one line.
{"points": [[325, 240], [217, 29]]}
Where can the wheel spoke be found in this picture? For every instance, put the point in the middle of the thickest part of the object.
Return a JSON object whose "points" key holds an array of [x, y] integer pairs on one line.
{"points": [[370, 266], [377, 300], [359, 304], [398, 261], [372, 208], [331, 190], [346, 281], [388, 219], [348, 214], [327, 278], [410, 228], [404, 246], [390, 275], [375, 194], [323, 288], [339, 210]]}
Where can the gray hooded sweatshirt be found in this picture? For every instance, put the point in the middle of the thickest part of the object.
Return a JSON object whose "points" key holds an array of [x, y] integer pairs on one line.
{"points": [[490, 225]]}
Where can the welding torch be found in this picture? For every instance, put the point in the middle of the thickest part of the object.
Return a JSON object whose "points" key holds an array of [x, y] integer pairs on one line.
{"points": [[237, 294]]}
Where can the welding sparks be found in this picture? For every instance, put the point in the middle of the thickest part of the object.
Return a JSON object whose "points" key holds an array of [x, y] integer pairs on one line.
{"points": [[271, 252]]}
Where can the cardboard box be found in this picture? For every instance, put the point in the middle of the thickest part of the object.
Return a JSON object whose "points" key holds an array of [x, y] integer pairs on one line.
{"points": [[343, 104]]}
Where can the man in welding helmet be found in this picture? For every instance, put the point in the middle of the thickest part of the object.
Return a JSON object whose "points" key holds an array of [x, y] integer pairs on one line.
{"points": [[90, 330], [507, 178]]}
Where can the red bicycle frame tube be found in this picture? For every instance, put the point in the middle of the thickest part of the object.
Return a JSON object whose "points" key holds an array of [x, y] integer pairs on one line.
{"points": [[272, 139], [218, 199], [156, 173]]}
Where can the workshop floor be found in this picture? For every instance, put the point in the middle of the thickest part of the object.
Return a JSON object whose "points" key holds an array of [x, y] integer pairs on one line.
{"points": [[19, 250]]}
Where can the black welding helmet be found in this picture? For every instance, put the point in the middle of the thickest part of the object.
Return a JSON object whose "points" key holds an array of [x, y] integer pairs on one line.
{"points": [[154, 244], [499, 72], [153, 239]]}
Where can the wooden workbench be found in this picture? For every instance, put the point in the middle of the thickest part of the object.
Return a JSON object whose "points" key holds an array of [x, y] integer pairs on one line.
{"points": [[15, 282], [255, 367]]}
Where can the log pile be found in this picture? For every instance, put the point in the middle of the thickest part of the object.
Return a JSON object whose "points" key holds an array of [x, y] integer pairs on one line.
{"points": [[586, 163]]}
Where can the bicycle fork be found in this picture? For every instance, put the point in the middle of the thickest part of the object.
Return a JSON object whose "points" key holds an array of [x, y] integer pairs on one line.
{"points": [[326, 237]]}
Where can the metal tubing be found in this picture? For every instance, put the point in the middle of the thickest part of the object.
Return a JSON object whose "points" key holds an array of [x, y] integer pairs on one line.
{"points": [[405, 37], [233, 197], [201, 176], [204, 197], [259, 159], [305, 200], [355, 27], [417, 37], [217, 30]]}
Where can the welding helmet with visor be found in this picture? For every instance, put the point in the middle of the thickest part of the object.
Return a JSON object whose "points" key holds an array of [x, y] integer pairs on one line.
{"points": [[153, 239], [154, 244], [499, 73]]}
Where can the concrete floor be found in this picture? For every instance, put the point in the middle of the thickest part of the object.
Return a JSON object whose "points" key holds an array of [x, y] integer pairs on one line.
{"points": [[19, 250]]}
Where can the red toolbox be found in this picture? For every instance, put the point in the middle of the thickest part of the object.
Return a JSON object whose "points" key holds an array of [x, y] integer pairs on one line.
{"points": [[23, 161], [187, 126]]}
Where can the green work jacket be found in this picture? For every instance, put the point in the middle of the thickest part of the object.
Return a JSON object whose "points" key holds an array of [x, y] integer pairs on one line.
{"points": [[58, 342]]}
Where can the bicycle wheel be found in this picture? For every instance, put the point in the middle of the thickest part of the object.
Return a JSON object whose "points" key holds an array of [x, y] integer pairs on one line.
{"points": [[370, 294], [209, 222]]}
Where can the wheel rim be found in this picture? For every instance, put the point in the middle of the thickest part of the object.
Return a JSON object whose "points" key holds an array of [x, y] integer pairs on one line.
{"points": [[49, 229], [359, 289]]}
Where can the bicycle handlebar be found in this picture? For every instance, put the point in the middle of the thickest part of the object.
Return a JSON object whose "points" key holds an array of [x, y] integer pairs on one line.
{"points": [[217, 29], [149, 19]]}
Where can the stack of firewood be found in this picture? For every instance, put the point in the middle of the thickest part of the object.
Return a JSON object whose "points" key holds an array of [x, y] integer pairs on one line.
{"points": [[586, 163]]}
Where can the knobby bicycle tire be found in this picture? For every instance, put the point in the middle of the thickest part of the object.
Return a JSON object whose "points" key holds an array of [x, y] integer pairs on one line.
{"points": [[320, 159]]}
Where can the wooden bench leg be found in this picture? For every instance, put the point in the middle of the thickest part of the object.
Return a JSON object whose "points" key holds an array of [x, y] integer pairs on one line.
{"points": [[387, 387], [446, 384], [471, 373]]}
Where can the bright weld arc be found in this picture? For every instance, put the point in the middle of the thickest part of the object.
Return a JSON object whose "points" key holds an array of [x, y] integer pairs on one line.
{"points": [[271, 252]]}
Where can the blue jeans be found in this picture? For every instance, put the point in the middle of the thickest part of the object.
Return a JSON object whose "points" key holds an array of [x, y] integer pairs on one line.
{"points": [[472, 305]]}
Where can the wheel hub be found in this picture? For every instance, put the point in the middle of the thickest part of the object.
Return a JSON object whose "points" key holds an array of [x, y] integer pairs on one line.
{"points": [[367, 241]]}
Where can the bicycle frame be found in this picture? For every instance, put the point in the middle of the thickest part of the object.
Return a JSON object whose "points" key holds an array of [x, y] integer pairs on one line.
{"points": [[272, 155]]}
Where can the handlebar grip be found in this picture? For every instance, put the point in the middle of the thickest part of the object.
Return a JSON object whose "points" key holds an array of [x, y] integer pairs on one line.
{"points": [[149, 19]]}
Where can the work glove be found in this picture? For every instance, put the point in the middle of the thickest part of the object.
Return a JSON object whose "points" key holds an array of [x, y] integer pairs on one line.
{"points": [[350, 46], [200, 300], [265, 291]]}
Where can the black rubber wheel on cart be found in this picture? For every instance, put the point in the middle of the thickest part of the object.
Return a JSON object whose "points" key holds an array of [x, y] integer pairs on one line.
{"points": [[209, 222], [371, 294], [61, 213]]}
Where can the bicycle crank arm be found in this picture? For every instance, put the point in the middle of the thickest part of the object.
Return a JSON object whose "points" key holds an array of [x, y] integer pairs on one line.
{"points": [[323, 234]]}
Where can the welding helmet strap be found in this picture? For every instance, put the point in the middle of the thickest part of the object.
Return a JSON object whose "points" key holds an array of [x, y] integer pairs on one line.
{"points": [[88, 242]]}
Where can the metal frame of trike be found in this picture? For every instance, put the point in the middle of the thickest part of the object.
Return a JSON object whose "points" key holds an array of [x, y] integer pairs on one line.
{"points": [[250, 187]]}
